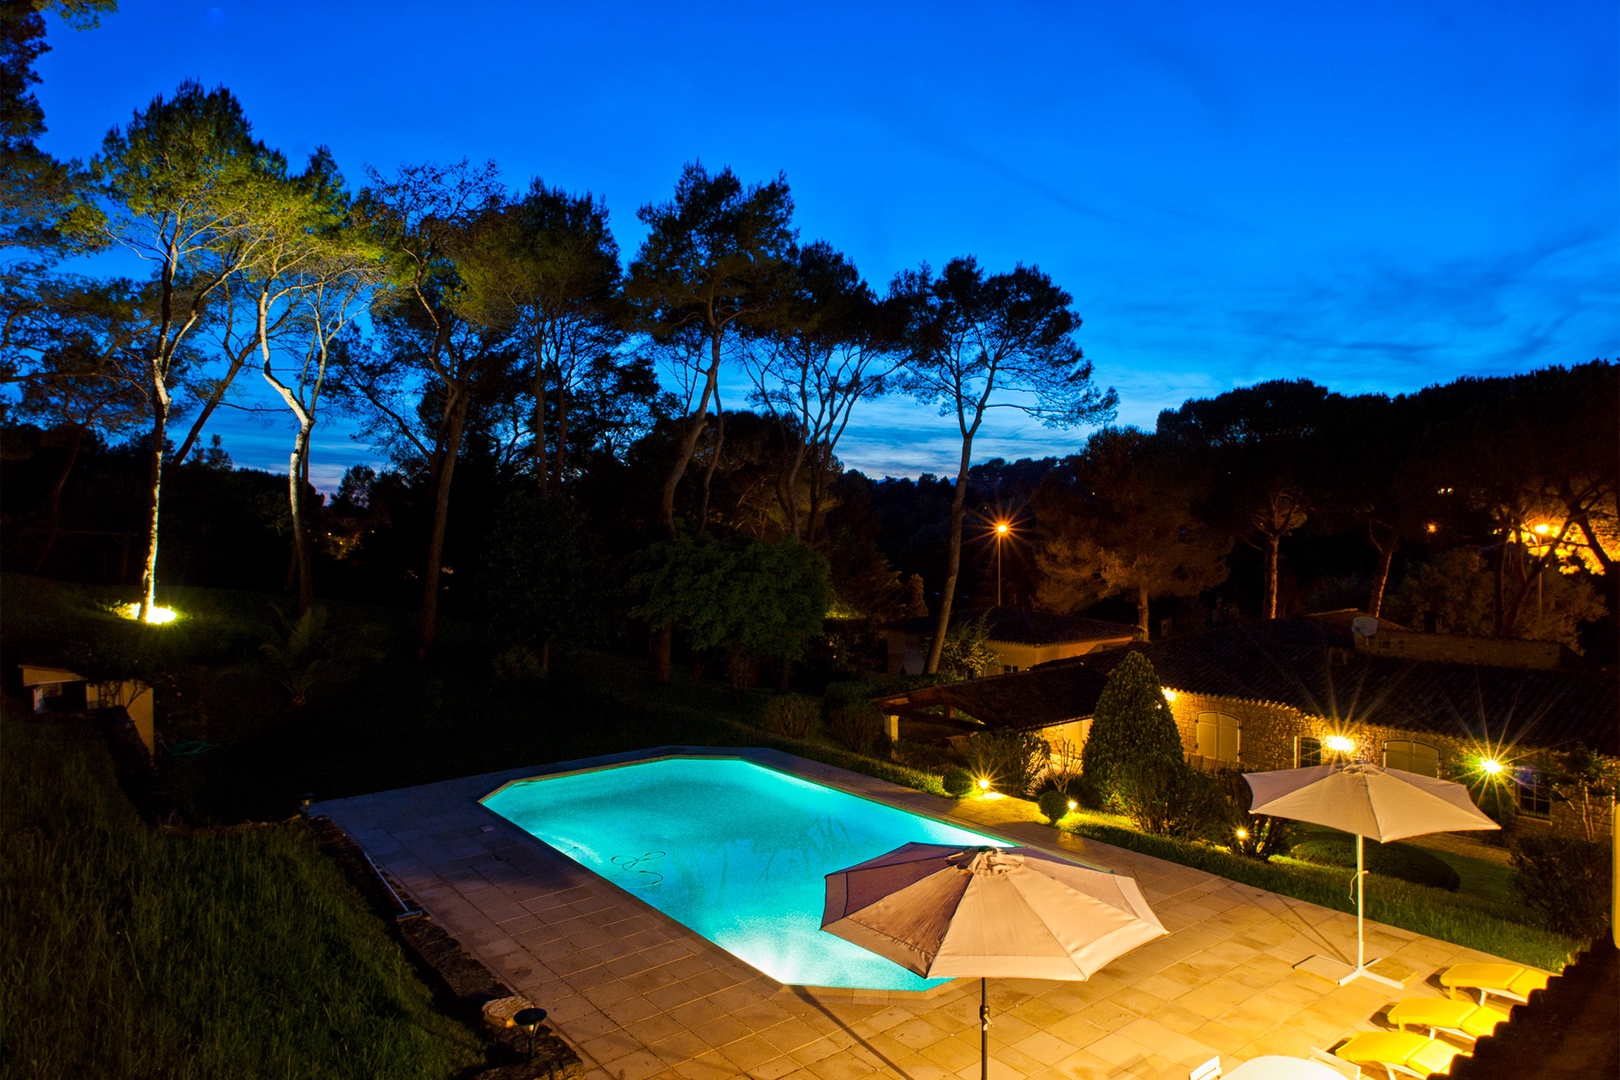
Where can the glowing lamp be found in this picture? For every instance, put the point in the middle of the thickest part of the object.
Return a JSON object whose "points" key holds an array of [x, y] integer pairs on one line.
{"points": [[1170, 695], [1073, 806], [984, 783], [1243, 834], [1431, 527], [1002, 528], [1339, 744], [1543, 530], [1490, 766], [155, 615]]}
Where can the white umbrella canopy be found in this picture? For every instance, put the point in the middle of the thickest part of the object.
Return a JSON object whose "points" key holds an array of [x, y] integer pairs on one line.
{"points": [[1013, 913], [1367, 800]]}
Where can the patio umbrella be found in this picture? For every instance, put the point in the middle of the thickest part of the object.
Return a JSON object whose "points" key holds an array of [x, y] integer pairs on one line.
{"points": [[940, 910], [1367, 800]]}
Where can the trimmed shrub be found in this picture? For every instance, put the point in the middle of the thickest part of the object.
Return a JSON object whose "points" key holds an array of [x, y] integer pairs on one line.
{"points": [[1404, 861], [1565, 880], [958, 783], [1254, 836], [1166, 798], [859, 728], [1013, 760], [791, 715], [1132, 726], [1054, 805]]}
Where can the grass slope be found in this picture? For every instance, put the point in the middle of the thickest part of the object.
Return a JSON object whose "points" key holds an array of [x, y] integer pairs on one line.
{"points": [[139, 953]]}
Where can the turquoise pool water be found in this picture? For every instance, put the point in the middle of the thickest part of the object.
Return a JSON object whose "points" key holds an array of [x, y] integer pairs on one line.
{"points": [[734, 851]]}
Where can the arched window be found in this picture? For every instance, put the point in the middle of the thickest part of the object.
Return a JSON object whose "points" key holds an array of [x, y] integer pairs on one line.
{"points": [[1220, 737], [1412, 757]]}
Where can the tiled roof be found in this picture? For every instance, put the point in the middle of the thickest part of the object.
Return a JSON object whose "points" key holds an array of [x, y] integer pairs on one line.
{"points": [[1311, 664], [1022, 627]]}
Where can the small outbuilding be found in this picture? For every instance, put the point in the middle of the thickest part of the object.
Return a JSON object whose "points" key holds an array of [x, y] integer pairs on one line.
{"points": [[55, 689]]}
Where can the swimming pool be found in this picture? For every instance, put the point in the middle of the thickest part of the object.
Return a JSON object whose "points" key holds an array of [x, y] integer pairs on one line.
{"points": [[734, 851]]}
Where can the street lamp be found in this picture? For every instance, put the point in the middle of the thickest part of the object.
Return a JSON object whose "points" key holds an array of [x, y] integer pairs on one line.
{"points": [[1002, 529]]}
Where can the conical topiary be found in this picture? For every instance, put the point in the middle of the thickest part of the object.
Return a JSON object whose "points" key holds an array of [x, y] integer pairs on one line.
{"points": [[1132, 724]]}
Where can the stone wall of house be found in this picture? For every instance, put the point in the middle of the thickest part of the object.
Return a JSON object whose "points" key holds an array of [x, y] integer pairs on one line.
{"points": [[1268, 739]]}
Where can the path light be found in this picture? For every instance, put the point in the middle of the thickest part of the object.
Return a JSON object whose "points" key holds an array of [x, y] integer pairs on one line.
{"points": [[1242, 834], [530, 1020], [1073, 806]]}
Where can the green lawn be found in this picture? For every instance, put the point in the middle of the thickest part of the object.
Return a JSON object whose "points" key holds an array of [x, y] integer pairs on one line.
{"points": [[135, 952]]}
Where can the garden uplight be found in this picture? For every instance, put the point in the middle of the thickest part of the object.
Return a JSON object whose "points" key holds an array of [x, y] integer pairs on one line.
{"points": [[1339, 744], [1073, 806], [156, 615], [984, 783], [1243, 834]]}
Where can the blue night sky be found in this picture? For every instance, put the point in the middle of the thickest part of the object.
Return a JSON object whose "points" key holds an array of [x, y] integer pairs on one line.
{"points": [[1376, 196]]}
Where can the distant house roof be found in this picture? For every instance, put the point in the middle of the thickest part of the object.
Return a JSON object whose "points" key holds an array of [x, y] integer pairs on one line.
{"points": [[1312, 664], [1022, 627]]}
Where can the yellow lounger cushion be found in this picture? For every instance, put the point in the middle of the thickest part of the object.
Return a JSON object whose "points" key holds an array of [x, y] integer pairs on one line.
{"points": [[1509, 980], [1401, 1049], [1458, 1016]]}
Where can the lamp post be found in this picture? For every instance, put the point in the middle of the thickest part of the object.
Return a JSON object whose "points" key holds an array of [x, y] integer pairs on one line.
{"points": [[530, 1020], [1002, 529]]}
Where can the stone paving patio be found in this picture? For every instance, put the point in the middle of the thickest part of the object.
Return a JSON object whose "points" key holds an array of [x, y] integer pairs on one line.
{"points": [[640, 996]]}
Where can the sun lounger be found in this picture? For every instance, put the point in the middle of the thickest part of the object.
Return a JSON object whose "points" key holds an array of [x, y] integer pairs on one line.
{"points": [[1510, 981], [1459, 1017], [1399, 1053]]}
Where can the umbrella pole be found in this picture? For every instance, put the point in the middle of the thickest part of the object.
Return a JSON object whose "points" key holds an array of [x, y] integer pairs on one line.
{"points": [[1360, 971], [984, 1031]]}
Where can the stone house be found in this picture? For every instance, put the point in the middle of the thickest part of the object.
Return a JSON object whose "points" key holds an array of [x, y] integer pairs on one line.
{"points": [[1337, 686]]}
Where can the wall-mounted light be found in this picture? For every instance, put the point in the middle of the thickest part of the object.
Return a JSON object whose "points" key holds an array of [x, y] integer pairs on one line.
{"points": [[1169, 695], [1339, 744], [1490, 766]]}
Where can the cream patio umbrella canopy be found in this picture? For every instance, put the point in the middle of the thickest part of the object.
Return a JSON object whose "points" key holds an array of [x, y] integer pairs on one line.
{"points": [[991, 912], [1367, 800]]}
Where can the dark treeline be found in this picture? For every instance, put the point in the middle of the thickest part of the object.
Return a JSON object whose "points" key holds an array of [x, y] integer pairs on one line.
{"points": [[1450, 511], [561, 461]]}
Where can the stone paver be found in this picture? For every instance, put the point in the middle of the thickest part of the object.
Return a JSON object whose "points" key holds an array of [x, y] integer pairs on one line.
{"points": [[643, 998]]}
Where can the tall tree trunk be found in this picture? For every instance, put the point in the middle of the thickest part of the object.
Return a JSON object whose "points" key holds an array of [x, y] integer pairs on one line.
{"points": [[688, 444], [53, 504], [538, 422], [1142, 612], [714, 462], [441, 515], [562, 430], [1386, 542], [953, 564], [160, 424], [298, 469], [1268, 601]]}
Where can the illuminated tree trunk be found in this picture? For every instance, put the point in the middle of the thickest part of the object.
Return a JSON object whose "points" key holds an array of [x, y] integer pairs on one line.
{"points": [[953, 564]]}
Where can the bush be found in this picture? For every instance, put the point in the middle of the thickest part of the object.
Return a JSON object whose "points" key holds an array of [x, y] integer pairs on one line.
{"points": [[958, 783], [1254, 836], [1054, 804], [1403, 861], [859, 728], [1166, 798], [1565, 880], [1132, 725], [1012, 760], [790, 715]]}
